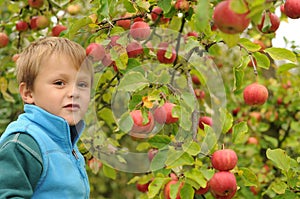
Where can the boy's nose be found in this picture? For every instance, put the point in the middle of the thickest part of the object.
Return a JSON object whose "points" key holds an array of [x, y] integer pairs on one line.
{"points": [[74, 92]]}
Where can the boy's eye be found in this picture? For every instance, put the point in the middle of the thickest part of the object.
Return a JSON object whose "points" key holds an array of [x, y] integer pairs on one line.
{"points": [[83, 84], [59, 83]]}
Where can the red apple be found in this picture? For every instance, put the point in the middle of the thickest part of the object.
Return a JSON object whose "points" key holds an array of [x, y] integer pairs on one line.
{"points": [[124, 23], [35, 3], [142, 187], [236, 111], [282, 9], [156, 13], [223, 185], [227, 20], [196, 80], [3, 39], [56, 30], [164, 55], [95, 51], [205, 120], [182, 5], [270, 28], [42, 22], [202, 190], [33, 24], [95, 164], [168, 187], [255, 94], [163, 114], [139, 126], [254, 190], [140, 30], [200, 94], [15, 57], [252, 140], [292, 9], [21, 26], [73, 9], [107, 61], [151, 153], [134, 49], [224, 159], [113, 41]]}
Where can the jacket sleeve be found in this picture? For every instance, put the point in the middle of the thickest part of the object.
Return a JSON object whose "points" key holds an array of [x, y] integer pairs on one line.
{"points": [[20, 166]]}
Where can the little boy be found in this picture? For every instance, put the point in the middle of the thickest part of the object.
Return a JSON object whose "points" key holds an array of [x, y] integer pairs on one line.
{"points": [[38, 153]]}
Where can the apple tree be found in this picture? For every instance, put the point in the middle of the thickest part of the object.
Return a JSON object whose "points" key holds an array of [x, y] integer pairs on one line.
{"points": [[191, 98]]}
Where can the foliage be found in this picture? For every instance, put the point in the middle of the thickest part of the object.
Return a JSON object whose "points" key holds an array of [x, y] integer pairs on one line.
{"points": [[269, 169]]}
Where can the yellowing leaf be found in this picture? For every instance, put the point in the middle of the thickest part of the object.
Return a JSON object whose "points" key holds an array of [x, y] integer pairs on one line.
{"points": [[146, 102]]}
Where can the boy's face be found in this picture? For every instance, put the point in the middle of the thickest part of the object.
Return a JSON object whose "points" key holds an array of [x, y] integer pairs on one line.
{"points": [[61, 89]]}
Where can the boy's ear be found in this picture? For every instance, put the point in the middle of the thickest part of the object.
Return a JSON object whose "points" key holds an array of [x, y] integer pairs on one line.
{"points": [[26, 93]]}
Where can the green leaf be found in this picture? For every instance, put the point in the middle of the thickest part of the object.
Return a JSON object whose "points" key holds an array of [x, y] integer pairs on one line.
{"points": [[155, 186], [189, 100], [178, 158], [109, 171], [75, 27], [132, 81], [228, 120], [202, 16], [280, 159], [187, 192], [159, 160], [195, 178], [261, 60], [281, 54], [239, 6], [249, 45], [230, 39], [165, 5], [191, 148], [174, 25], [159, 141], [286, 67], [163, 78], [249, 178], [279, 187], [129, 6], [125, 122], [185, 118], [238, 133], [238, 79], [209, 141], [120, 56], [103, 10]]}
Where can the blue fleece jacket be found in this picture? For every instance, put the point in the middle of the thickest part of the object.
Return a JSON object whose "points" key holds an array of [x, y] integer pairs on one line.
{"points": [[64, 174]]}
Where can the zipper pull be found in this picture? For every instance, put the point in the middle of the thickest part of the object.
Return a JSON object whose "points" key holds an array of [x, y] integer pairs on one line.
{"points": [[75, 154]]}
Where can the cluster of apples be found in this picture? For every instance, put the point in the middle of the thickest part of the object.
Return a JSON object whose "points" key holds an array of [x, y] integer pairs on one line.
{"points": [[223, 183], [161, 115], [230, 22], [38, 22], [139, 32]]}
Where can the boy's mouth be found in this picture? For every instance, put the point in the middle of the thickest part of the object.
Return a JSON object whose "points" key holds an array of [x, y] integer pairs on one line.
{"points": [[72, 106]]}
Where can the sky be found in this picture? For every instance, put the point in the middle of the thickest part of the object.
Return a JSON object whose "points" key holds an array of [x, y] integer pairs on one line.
{"points": [[290, 30]]}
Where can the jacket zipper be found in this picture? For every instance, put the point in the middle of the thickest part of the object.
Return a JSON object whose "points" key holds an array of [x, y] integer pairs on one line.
{"points": [[75, 154]]}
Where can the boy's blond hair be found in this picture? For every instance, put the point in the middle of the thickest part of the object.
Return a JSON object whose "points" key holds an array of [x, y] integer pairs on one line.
{"points": [[30, 60]]}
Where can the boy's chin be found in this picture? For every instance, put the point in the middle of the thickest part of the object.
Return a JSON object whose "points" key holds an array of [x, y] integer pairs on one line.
{"points": [[73, 121]]}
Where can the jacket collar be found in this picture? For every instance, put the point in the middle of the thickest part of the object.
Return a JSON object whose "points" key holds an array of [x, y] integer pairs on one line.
{"points": [[56, 127]]}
